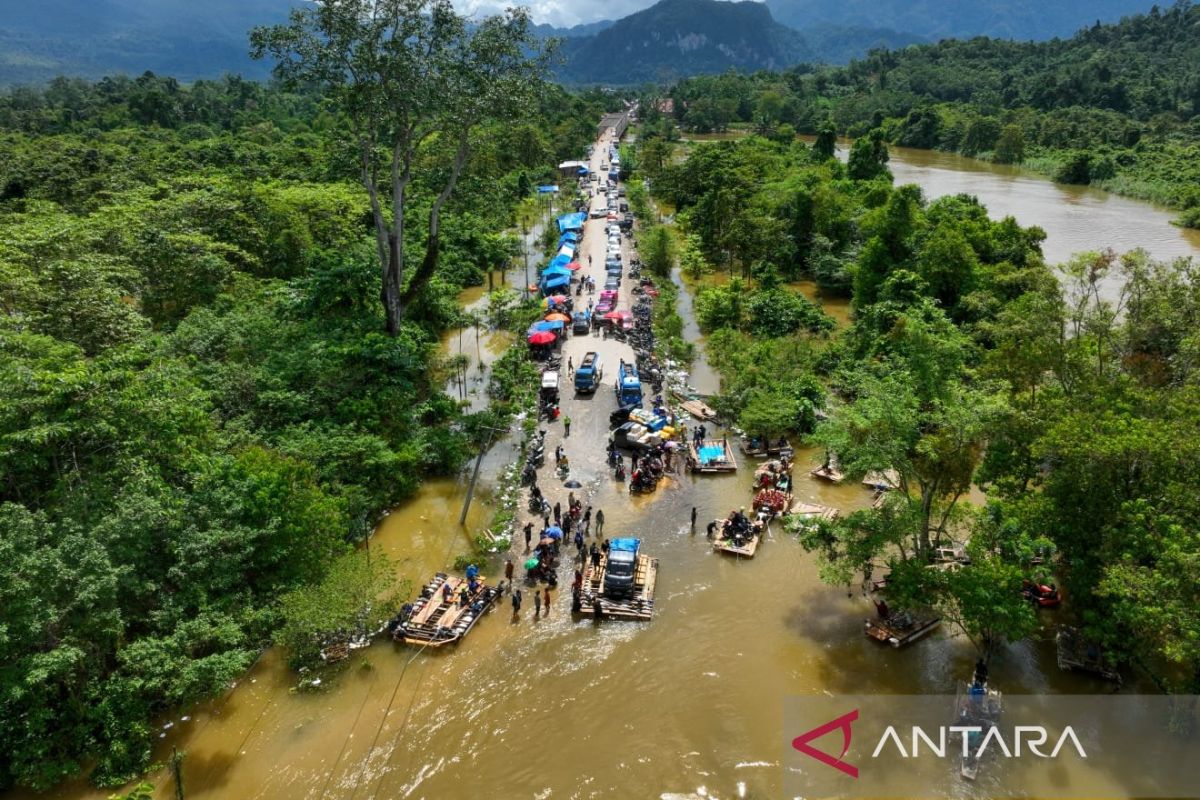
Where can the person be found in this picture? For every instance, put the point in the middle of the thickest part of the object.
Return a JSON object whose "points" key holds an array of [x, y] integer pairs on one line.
{"points": [[881, 608], [578, 542], [693, 519], [604, 546], [537, 604], [620, 471], [516, 603], [508, 565], [567, 426], [711, 529], [595, 555], [558, 513], [447, 592], [981, 672], [528, 536], [547, 601], [570, 365], [464, 597], [472, 572], [578, 582], [599, 521], [568, 523], [545, 521], [589, 260], [587, 521]]}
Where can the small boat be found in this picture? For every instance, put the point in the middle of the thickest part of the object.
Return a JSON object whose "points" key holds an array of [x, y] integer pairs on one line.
{"points": [[828, 472], [745, 546], [976, 706], [695, 406], [1041, 594], [1077, 653], [882, 481], [756, 447], [713, 455], [440, 616], [901, 628]]}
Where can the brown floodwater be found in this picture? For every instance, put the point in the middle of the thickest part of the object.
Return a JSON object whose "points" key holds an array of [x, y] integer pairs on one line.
{"points": [[686, 706]]}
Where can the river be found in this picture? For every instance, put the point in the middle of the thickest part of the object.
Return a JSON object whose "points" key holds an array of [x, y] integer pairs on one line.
{"points": [[686, 706]]}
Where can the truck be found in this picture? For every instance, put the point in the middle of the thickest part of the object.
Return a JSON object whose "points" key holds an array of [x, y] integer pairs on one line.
{"points": [[619, 573], [589, 372], [629, 385]]}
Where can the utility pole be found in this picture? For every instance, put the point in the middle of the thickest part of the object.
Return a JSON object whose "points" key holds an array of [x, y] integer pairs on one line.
{"points": [[462, 518], [177, 771], [525, 252]]}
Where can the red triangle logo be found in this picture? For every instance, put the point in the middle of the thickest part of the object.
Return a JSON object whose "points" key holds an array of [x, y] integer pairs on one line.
{"points": [[843, 722]]}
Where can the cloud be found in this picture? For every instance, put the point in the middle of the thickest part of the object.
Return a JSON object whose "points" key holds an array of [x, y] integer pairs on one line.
{"points": [[563, 13]]}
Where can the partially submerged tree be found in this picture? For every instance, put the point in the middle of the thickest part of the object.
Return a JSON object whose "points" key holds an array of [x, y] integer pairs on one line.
{"points": [[408, 74]]}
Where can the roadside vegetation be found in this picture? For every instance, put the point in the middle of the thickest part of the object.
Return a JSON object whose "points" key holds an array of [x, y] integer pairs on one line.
{"points": [[203, 404], [969, 362]]}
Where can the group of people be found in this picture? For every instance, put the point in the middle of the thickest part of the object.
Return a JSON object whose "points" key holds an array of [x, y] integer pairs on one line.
{"points": [[776, 475], [699, 435]]}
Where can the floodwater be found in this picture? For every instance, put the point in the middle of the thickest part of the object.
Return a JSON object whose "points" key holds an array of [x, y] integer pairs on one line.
{"points": [[688, 705]]}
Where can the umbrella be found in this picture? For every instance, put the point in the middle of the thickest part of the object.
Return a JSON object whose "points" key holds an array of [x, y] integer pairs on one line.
{"points": [[574, 266], [613, 315], [556, 316], [672, 445], [531, 563], [573, 484], [558, 298], [554, 532], [541, 337], [545, 326]]}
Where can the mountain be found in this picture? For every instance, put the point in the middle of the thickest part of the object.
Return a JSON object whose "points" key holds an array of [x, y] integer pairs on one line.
{"points": [[683, 37], [92, 38], [573, 32], [937, 19]]}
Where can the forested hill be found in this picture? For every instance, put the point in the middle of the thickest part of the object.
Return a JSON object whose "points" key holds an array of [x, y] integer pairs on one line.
{"points": [[937, 19], [1117, 105]]}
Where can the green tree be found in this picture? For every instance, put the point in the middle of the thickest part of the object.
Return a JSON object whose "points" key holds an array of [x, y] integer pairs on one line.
{"points": [[657, 248], [1010, 147], [415, 82], [868, 157], [825, 146]]}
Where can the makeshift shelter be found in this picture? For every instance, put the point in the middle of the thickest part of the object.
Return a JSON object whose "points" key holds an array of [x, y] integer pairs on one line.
{"points": [[571, 222]]}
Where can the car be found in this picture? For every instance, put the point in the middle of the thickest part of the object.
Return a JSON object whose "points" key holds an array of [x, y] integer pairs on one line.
{"points": [[613, 263], [612, 282], [581, 322], [621, 192], [619, 417]]}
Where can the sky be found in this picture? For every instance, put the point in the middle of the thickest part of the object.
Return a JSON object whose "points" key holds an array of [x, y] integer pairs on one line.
{"points": [[563, 13]]}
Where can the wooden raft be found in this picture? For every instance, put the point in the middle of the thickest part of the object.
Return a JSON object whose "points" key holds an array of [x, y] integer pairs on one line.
{"points": [[698, 409], [771, 449], [729, 464], [436, 622], [638, 606], [749, 546], [897, 633], [813, 512], [828, 473]]}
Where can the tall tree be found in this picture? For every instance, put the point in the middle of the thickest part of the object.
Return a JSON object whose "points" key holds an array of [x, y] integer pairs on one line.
{"points": [[408, 75]]}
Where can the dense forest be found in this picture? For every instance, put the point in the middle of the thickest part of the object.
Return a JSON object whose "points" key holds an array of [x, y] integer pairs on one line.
{"points": [[1116, 105], [200, 408], [969, 362]]}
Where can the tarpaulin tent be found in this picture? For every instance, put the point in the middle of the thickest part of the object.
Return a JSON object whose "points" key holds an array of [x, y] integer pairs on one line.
{"points": [[555, 282], [571, 222], [546, 325], [569, 236], [567, 250], [547, 189], [559, 260]]}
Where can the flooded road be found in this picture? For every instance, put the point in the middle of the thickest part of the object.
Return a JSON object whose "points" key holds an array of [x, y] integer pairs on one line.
{"points": [[686, 706]]}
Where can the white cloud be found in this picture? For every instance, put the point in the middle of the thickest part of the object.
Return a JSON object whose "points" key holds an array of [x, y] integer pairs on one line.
{"points": [[563, 13]]}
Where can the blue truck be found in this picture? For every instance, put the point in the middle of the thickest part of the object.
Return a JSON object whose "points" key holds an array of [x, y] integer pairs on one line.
{"points": [[589, 372], [629, 385]]}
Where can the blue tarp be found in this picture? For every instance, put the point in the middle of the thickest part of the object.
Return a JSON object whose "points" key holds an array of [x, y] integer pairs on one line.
{"points": [[583, 171], [571, 222], [547, 189], [554, 281], [628, 544], [709, 454], [559, 261], [546, 325], [569, 236]]}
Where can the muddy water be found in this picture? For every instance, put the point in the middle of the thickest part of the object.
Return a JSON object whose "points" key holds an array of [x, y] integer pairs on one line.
{"points": [[686, 706]]}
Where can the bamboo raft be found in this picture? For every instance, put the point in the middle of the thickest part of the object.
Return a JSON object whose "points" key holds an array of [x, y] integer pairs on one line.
{"points": [[695, 406], [899, 630], [726, 464], [813, 512], [639, 606], [1076, 653], [828, 472], [726, 544], [772, 449], [435, 622]]}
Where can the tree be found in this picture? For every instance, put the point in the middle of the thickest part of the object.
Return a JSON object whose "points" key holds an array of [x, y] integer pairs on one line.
{"points": [[1010, 147], [414, 82], [868, 157], [658, 251], [825, 146]]}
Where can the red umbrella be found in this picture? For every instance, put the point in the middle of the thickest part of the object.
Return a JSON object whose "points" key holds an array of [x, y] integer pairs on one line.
{"points": [[574, 266], [541, 337], [613, 315]]}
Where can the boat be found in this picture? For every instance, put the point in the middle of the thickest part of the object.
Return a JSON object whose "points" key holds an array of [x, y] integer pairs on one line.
{"points": [[754, 447], [1078, 653], [812, 512], [746, 547], [695, 406], [828, 472], [976, 706], [882, 481], [595, 598], [901, 628], [774, 474], [434, 621], [713, 455]]}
